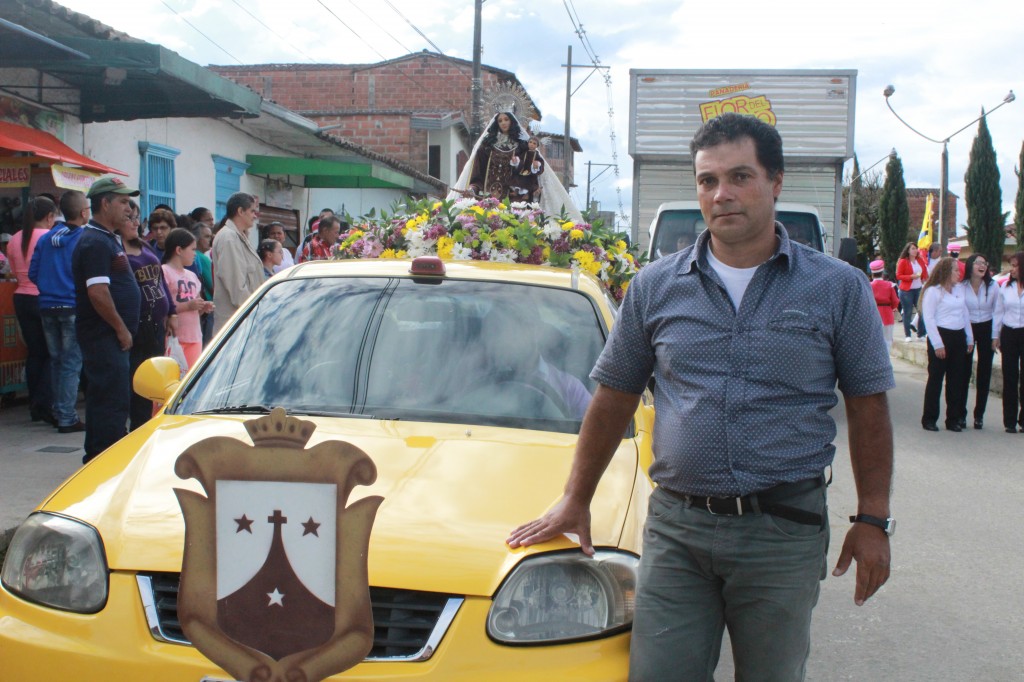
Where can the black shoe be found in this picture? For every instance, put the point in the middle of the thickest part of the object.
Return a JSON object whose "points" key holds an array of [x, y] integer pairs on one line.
{"points": [[963, 424], [1011, 429], [977, 424], [955, 428], [41, 414], [929, 427], [72, 428]]}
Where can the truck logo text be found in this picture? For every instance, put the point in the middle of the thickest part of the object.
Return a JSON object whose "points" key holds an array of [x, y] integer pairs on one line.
{"points": [[759, 106]]}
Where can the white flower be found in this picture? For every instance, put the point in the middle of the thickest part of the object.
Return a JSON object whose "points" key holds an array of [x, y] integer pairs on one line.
{"points": [[461, 252], [501, 256], [463, 204], [552, 229]]}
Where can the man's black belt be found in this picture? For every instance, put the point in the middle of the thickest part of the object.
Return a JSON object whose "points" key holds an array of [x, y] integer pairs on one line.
{"points": [[764, 502]]}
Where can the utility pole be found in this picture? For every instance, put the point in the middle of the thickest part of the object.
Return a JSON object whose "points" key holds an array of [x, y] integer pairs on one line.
{"points": [[569, 92], [476, 125], [589, 164]]}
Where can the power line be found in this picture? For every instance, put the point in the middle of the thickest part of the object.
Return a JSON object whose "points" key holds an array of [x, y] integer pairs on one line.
{"points": [[383, 58], [215, 43], [577, 24], [279, 36], [384, 30]]}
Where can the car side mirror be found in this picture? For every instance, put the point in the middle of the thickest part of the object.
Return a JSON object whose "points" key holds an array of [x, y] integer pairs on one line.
{"points": [[157, 378]]}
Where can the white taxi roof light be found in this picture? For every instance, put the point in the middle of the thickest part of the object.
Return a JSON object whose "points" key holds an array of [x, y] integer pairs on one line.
{"points": [[427, 265]]}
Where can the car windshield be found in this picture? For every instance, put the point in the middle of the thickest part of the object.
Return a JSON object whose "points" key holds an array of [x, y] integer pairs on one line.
{"points": [[458, 351], [678, 229]]}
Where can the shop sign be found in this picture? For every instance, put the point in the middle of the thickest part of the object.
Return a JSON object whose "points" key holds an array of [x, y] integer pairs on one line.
{"points": [[14, 174], [67, 177]]}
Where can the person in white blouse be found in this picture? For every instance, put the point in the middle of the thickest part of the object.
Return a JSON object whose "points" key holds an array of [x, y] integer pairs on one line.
{"points": [[950, 339], [1008, 320], [980, 294]]}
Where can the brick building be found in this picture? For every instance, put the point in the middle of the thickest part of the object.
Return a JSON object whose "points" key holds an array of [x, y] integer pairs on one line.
{"points": [[917, 197], [415, 109]]}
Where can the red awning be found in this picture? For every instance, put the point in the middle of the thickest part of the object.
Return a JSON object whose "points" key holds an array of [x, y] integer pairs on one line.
{"points": [[45, 147]]}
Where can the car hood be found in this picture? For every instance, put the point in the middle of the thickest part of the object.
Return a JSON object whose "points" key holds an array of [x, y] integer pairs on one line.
{"points": [[452, 494]]}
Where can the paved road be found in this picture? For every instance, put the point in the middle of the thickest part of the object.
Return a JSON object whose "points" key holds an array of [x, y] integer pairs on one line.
{"points": [[951, 611], [953, 608]]}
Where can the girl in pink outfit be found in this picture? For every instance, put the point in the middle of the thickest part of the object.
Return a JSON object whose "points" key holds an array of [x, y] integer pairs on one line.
{"points": [[184, 285]]}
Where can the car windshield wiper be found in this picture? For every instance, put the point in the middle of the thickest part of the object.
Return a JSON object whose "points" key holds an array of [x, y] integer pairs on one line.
{"points": [[328, 413], [237, 409]]}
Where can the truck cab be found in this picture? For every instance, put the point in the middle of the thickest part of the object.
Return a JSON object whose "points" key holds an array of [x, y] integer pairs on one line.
{"points": [[677, 224]]}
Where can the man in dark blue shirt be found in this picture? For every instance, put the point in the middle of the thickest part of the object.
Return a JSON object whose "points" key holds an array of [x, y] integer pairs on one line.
{"points": [[107, 304]]}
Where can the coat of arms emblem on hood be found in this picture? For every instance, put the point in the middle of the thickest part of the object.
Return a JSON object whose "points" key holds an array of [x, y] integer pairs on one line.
{"points": [[274, 582]]}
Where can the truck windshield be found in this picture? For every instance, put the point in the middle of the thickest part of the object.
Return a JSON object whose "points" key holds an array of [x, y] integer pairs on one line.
{"points": [[679, 228]]}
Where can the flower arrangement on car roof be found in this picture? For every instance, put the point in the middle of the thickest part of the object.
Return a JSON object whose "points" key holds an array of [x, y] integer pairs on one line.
{"points": [[486, 229]]}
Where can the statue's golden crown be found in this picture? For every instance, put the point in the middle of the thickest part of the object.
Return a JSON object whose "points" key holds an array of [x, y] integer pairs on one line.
{"points": [[277, 429]]}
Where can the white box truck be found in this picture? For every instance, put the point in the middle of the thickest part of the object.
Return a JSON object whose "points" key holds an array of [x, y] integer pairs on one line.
{"points": [[813, 111]]}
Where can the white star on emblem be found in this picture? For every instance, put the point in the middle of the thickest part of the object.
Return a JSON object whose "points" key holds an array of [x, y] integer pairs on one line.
{"points": [[275, 598]]}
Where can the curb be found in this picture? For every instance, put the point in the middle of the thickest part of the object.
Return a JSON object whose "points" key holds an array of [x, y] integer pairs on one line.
{"points": [[916, 353]]}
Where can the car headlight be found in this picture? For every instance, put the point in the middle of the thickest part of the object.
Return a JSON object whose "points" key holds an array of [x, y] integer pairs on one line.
{"points": [[57, 562], [564, 597]]}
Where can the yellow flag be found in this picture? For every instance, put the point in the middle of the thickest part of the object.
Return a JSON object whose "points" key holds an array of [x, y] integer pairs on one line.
{"points": [[924, 240]]}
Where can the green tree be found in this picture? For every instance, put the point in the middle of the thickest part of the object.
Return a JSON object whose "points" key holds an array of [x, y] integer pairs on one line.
{"points": [[1018, 205], [867, 191], [984, 198], [893, 214]]}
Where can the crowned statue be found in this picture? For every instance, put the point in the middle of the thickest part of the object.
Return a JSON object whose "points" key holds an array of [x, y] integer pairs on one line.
{"points": [[506, 162]]}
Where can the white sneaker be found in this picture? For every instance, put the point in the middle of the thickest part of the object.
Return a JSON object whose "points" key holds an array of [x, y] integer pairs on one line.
{"points": [[906, 340]]}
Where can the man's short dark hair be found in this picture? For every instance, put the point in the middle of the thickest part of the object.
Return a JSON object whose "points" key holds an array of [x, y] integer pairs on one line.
{"points": [[733, 127], [326, 210], [96, 201], [327, 221], [70, 202], [239, 201]]}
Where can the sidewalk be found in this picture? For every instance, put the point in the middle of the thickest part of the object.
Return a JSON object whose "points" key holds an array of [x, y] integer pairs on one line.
{"points": [[34, 460]]}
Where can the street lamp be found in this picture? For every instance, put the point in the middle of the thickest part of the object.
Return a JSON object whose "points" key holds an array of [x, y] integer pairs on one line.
{"points": [[849, 198], [943, 189]]}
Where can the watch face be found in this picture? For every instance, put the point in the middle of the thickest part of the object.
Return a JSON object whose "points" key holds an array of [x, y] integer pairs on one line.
{"points": [[890, 527]]}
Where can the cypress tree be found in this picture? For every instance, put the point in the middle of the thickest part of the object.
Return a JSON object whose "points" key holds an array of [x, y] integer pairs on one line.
{"points": [[893, 215], [1018, 204], [984, 198]]}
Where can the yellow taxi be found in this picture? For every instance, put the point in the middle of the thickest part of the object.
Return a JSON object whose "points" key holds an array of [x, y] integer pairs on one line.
{"points": [[464, 382]]}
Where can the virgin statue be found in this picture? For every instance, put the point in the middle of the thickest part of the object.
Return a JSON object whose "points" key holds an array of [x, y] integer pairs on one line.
{"points": [[495, 162]]}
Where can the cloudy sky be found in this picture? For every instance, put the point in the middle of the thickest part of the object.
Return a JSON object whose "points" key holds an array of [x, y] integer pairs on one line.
{"points": [[947, 59]]}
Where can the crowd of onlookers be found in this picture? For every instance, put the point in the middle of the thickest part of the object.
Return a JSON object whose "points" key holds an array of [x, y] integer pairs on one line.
{"points": [[962, 311], [101, 289]]}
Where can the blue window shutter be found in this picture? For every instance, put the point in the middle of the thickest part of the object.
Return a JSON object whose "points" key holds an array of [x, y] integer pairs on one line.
{"points": [[228, 181], [156, 180]]}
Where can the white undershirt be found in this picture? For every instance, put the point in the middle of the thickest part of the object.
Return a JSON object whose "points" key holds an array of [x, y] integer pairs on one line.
{"points": [[916, 283], [734, 279]]}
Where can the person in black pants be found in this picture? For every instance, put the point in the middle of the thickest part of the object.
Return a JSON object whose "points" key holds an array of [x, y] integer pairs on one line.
{"points": [[950, 339], [107, 301], [981, 294], [1009, 318]]}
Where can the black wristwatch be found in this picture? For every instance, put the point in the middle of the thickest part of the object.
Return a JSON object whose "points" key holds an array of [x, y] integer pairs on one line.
{"points": [[888, 525]]}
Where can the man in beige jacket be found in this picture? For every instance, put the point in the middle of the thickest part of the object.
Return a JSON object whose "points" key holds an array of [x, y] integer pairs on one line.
{"points": [[237, 270]]}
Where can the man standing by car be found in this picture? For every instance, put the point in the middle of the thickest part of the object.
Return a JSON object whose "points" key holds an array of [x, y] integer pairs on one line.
{"points": [[746, 334], [107, 304], [52, 273]]}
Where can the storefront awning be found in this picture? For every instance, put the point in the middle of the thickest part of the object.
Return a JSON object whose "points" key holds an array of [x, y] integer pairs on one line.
{"points": [[320, 173], [122, 81], [43, 147]]}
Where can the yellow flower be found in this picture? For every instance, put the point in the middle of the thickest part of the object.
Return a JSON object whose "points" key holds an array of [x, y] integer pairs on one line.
{"points": [[437, 205], [410, 224], [445, 244], [584, 258], [547, 252], [620, 245], [576, 234], [401, 254], [477, 209], [625, 285]]}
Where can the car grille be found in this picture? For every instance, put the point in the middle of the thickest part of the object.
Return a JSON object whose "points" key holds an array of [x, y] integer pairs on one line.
{"points": [[407, 625]]}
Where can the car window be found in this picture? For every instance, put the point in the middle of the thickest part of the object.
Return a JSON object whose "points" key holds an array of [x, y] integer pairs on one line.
{"points": [[458, 351]]}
